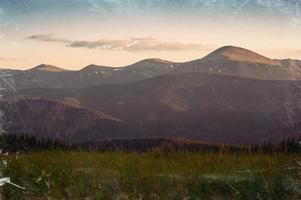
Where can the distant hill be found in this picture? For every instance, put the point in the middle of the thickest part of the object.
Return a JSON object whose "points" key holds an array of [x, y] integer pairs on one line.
{"points": [[58, 121], [229, 60], [49, 68], [232, 95], [203, 106], [236, 61]]}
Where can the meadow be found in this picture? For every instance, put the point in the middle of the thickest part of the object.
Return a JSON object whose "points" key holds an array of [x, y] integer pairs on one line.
{"points": [[155, 174]]}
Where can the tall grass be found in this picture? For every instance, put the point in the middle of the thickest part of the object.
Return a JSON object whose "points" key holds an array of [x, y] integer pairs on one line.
{"points": [[151, 175]]}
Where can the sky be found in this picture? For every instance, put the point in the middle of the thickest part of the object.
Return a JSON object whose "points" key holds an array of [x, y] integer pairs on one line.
{"points": [[75, 33]]}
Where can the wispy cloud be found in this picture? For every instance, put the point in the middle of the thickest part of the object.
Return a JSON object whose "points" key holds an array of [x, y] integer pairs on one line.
{"points": [[131, 44], [136, 44], [298, 52], [4, 58], [48, 38]]}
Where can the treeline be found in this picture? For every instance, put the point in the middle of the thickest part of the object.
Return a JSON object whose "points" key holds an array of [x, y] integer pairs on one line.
{"points": [[14, 143], [290, 145]]}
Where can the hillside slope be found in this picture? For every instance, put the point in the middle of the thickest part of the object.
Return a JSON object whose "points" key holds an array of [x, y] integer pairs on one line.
{"points": [[203, 106], [53, 120]]}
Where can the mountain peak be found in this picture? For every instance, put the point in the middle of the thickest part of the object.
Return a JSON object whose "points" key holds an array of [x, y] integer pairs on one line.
{"points": [[155, 60], [93, 67], [45, 67], [240, 54]]}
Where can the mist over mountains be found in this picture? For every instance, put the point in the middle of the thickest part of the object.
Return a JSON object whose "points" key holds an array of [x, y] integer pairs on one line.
{"points": [[232, 95]]}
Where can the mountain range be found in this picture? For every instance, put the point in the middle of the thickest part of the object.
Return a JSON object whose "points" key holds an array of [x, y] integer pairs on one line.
{"points": [[232, 96], [227, 60]]}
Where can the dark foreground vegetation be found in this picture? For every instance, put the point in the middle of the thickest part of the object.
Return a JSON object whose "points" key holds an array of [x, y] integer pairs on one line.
{"points": [[14, 143], [170, 169]]}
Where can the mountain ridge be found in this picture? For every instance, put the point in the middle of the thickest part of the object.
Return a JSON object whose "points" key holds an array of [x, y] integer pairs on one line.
{"points": [[224, 50], [199, 106], [46, 67], [49, 119], [240, 54], [228, 60]]}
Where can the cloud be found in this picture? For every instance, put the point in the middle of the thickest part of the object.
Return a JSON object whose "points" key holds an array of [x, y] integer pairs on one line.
{"points": [[4, 58], [136, 44], [131, 44], [48, 38], [298, 52]]}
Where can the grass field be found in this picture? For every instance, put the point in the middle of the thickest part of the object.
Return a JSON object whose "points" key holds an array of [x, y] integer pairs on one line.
{"points": [[158, 174]]}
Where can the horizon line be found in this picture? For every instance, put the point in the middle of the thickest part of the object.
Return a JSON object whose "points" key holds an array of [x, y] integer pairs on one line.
{"points": [[145, 59]]}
